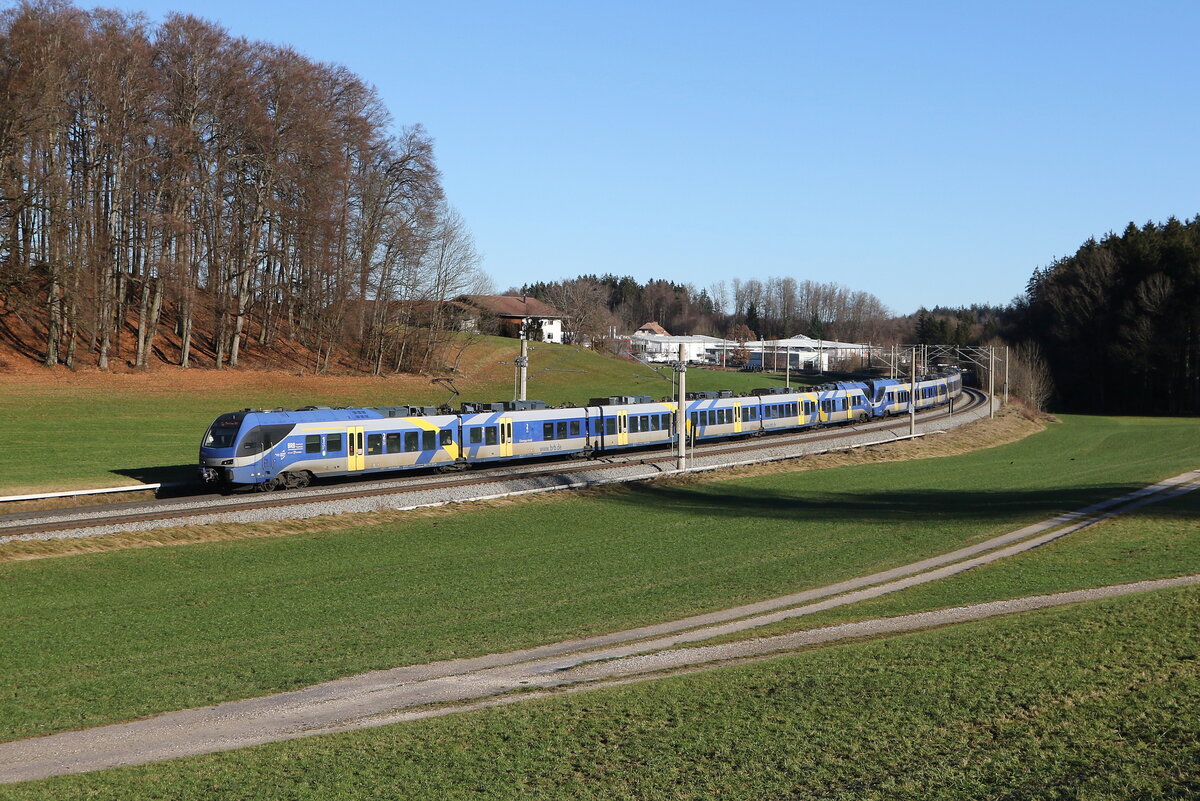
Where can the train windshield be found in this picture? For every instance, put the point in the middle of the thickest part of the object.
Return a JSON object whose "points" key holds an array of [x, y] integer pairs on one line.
{"points": [[223, 432]]}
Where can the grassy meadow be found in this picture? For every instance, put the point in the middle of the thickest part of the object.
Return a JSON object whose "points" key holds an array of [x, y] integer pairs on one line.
{"points": [[109, 636], [67, 430], [1094, 701]]}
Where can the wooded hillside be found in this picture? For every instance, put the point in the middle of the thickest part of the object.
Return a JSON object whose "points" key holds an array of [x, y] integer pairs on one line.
{"points": [[1119, 321], [175, 176]]}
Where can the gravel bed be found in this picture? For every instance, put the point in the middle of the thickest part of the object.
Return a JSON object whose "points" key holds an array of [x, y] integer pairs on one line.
{"points": [[604, 473]]}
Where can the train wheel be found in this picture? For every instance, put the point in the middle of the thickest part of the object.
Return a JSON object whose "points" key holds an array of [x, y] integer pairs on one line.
{"points": [[298, 480], [270, 485]]}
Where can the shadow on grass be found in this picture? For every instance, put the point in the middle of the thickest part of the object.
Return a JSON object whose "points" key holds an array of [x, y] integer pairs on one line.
{"points": [[907, 506], [180, 479]]}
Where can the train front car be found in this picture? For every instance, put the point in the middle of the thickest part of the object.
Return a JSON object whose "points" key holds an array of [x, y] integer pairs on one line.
{"points": [[236, 449], [218, 448]]}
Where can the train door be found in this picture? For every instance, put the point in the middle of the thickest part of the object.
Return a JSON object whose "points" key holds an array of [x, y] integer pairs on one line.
{"points": [[622, 428], [355, 451], [506, 437], [737, 417]]}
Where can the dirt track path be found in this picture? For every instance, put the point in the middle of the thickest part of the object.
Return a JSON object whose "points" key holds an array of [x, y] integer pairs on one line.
{"points": [[390, 696]]}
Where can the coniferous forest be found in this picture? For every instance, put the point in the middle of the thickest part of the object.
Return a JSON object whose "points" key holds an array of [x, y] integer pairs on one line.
{"points": [[1118, 322], [174, 177]]}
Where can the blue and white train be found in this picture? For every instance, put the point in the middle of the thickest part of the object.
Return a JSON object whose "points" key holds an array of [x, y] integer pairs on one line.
{"points": [[288, 448]]}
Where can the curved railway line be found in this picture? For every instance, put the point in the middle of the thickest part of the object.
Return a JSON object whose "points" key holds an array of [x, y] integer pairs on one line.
{"points": [[137, 513]]}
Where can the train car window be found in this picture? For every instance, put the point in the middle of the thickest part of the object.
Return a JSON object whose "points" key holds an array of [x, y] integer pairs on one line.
{"points": [[476, 435], [548, 431], [333, 443], [575, 428], [374, 444], [393, 443], [428, 440], [312, 443], [412, 441], [666, 422], [223, 432], [610, 425], [645, 422], [712, 418], [490, 436], [695, 419], [560, 430], [634, 425], [446, 437]]}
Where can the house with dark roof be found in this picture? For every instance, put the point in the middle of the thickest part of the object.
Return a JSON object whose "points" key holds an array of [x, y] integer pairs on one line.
{"points": [[518, 316]]}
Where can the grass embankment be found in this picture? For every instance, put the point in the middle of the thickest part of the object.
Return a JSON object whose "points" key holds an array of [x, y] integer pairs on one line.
{"points": [[1095, 701], [103, 637], [65, 430]]}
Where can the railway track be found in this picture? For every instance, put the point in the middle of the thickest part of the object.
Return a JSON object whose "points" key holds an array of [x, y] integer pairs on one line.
{"points": [[204, 505]]}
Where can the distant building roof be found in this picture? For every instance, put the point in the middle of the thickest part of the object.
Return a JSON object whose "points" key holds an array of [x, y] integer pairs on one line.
{"points": [[511, 306], [653, 328]]}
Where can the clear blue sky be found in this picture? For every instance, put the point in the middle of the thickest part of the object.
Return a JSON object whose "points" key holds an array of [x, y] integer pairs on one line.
{"points": [[927, 152]]}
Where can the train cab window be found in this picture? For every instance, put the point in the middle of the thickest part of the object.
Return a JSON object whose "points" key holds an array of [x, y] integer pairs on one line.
{"points": [[548, 431], [490, 436], [446, 437], [333, 443], [574, 428], [412, 441], [393, 443], [374, 444], [610, 425], [428, 440], [312, 443], [476, 435]]}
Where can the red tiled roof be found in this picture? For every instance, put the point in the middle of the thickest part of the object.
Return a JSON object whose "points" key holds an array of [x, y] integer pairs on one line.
{"points": [[511, 306], [654, 328]]}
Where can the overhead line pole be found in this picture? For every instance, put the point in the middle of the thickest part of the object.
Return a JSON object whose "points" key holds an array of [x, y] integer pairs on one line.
{"points": [[524, 364], [912, 397], [681, 413]]}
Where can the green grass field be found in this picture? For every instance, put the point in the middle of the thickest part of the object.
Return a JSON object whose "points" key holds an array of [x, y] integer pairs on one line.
{"points": [[65, 431], [1095, 701], [97, 638]]}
